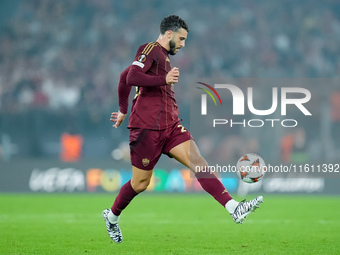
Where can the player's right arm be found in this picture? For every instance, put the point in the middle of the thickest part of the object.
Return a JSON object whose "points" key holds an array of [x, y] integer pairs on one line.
{"points": [[123, 92], [123, 98], [144, 58], [118, 118]]}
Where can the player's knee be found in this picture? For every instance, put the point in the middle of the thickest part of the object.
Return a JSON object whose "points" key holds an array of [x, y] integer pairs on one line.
{"points": [[140, 186]]}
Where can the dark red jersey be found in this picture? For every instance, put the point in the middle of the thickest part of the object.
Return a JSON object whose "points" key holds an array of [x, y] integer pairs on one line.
{"points": [[154, 106], [124, 92]]}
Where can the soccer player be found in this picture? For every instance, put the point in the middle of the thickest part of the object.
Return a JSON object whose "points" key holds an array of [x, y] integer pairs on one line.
{"points": [[155, 127]]}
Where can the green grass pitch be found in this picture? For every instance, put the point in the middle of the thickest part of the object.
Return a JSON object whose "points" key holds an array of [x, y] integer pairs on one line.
{"points": [[167, 224]]}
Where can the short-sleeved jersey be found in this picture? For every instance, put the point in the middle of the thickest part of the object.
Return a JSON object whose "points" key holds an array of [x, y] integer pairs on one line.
{"points": [[154, 106]]}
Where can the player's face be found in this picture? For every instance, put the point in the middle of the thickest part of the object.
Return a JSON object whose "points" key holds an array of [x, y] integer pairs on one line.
{"points": [[177, 41]]}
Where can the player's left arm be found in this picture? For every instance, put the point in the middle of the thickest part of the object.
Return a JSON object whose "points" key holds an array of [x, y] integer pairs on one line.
{"points": [[145, 57]]}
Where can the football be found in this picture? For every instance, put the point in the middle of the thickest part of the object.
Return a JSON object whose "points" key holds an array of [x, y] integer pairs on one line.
{"points": [[251, 168]]}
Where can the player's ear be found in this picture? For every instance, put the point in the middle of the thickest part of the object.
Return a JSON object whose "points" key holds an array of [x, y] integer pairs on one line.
{"points": [[169, 34]]}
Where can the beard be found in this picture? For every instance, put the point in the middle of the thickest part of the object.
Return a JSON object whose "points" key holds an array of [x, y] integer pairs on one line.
{"points": [[172, 46]]}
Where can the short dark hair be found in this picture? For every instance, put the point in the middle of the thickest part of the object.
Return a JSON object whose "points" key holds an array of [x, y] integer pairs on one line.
{"points": [[173, 23]]}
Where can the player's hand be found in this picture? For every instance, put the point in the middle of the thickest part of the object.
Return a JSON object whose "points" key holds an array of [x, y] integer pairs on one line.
{"points": [[172, 76], [117, 117]]}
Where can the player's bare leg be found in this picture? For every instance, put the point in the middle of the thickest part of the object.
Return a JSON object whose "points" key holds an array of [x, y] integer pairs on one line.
{"points": [[188, 154], [139, 182], [140, 179]]}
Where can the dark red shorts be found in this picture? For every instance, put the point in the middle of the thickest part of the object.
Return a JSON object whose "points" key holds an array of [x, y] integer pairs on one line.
{"points": [[146, 146]]}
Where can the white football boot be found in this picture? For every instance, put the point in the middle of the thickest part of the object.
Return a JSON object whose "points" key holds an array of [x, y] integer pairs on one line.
{"points": [[244, 208], [112, 229]]}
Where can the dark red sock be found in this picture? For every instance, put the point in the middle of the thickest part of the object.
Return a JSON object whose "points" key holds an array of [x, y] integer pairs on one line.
{"points": [[125, 195], [211, 184]]}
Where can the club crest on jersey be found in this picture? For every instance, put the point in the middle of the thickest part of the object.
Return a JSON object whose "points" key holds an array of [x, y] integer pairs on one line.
{"points": [[145, 162]]}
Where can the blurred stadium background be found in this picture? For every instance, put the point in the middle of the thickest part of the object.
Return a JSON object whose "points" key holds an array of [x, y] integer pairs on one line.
{"points": [[60, 63]]}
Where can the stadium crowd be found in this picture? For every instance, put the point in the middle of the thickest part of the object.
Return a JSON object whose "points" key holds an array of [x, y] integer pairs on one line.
{"points": [[67, 54], [62, 56]]}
